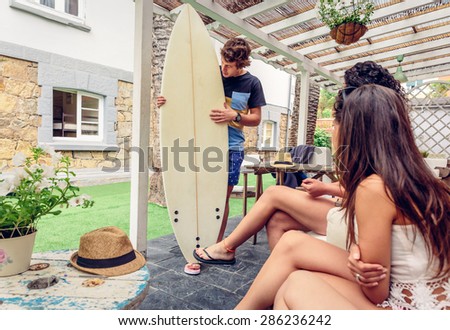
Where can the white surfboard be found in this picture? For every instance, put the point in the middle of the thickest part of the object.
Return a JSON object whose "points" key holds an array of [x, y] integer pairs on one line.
{"points": [[193, 147]]}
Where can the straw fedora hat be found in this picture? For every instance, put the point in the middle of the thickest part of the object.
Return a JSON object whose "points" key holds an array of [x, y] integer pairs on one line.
{"points": [[283, 160], [107, 251]]}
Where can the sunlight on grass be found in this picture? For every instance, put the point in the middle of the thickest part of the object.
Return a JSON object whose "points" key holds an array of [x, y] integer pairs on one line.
{"points": [[111, 208]]}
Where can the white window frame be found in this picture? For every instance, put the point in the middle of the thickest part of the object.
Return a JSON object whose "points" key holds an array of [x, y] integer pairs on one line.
{"points": [[101, 124], [55, 14], [265, 137]]}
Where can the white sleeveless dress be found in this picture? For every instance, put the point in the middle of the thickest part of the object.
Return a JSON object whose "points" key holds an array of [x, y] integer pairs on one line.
{"points": [[412, 282], [412, 272]]}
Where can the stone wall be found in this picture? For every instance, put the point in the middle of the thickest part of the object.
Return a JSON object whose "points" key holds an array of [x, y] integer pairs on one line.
{"points": [[162, 26], [124, 105], [283, 130], [19, 118], [251, 137], [19, 93], [314, 93]]}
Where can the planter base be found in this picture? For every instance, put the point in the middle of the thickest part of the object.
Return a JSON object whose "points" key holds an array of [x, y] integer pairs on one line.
{"points": [[348, 33], [15, 254]]}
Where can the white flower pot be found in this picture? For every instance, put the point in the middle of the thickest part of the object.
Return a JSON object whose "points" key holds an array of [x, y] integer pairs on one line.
{"points": [[15, 254], [436, 162]]}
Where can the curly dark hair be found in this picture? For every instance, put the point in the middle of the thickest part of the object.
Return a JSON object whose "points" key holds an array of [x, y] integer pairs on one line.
{"points": [[236, 50], [368, 72]]}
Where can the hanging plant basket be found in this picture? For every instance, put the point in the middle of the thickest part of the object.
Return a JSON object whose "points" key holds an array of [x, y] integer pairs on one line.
{"points": [[348, 33]]}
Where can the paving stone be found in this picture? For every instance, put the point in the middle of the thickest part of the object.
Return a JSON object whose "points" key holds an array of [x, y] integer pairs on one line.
{"points": [[216, 287], [159, 300], [224, 278], [214, 298], [179, 285], [155, 270]]}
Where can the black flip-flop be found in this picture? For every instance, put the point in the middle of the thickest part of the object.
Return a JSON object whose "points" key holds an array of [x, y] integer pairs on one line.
{"points": [[213, 261]]}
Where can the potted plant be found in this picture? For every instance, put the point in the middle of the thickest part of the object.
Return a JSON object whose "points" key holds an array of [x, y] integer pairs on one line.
{"points": [[347, 19], [436, 162], [37, 185]]}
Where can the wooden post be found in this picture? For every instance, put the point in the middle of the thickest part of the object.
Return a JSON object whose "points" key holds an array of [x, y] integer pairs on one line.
{"points": [[142, 82]]}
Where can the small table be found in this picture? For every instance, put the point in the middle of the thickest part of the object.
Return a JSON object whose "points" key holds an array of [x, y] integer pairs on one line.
{"points": [[119, 292], [266, 167]]}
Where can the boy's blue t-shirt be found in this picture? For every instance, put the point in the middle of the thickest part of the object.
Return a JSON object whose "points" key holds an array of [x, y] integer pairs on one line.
{"points": [[241, 93]]}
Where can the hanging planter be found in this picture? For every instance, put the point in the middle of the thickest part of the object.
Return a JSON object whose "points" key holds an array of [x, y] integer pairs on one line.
{"points": [[348, 33], [347, 19]]}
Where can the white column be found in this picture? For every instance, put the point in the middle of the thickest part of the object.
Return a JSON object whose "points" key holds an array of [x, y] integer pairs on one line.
{"points": [[303, 108], [142, 81]]}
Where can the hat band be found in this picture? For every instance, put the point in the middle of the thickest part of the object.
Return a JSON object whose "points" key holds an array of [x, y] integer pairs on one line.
{"points": [[106, 263], [283, 163]]}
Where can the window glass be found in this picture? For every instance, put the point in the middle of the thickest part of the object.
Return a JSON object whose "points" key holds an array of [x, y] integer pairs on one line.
{"points": [[268, 132], [76, 114], [68, 12], [71, 7], [89, 115], [66, 6], [48, 3]]}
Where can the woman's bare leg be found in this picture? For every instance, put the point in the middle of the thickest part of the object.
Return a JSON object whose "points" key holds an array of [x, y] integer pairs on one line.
{"points": [[296, 250], [309, 211], [279, 224], [310, 290]]}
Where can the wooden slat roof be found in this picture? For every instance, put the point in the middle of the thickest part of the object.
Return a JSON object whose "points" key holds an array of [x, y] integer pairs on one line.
{"points": [[288, 35]]}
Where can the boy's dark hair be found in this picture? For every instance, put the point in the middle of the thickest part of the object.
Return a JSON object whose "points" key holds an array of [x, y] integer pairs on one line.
{"points": [[236, 50]]}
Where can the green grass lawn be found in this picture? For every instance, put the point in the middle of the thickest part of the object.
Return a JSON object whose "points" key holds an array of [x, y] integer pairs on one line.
{"points": [[111, 208]]}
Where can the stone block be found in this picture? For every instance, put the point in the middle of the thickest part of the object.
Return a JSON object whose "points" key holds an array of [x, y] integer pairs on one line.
{"points": [[8, 148], [82, 80], [8, 102], [16, 69]]}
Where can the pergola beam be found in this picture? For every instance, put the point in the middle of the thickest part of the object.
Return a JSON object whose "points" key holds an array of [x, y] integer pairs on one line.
{"points": [[416, 59], [427, 76], [260, 8], [391, 42], [220, 14], [393, 53], [379, 13], [380, 31], [415, 62], [428, 71], [426, 65]]}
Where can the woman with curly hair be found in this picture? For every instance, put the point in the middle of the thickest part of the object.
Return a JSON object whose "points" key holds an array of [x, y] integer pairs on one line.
{"points": [[397, 212], [281, 208]]}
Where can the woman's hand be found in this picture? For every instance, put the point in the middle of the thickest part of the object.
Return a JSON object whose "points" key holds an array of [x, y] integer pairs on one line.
{"points": [[365, 274], [160, 101], [314, 187]]}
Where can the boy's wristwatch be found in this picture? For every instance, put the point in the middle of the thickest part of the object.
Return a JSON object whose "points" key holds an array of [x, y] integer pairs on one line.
{"points": [[238, 118]]}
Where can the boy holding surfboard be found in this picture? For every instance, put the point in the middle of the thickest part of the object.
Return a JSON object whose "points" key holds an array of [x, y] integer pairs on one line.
{"points": [[244, 98]]}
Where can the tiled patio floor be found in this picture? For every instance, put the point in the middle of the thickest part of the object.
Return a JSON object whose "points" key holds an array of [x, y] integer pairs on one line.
{"points": [[215, 288]]}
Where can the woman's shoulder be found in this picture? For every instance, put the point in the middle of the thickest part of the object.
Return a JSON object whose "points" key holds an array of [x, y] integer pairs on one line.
{"points": [[372, 194], [373, 181], [373, 185]]}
